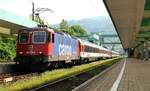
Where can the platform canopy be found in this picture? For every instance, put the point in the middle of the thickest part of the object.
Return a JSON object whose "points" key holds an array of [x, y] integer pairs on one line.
{"points": [[11, 23], [144, 34], [127, 16]]}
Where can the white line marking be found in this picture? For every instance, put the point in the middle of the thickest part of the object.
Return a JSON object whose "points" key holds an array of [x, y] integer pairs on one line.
{"points": [[90, 80], [93, 78], [116, 83]]}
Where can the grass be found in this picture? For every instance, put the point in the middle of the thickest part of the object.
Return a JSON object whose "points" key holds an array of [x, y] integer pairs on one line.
{"points": [[50, 76]]}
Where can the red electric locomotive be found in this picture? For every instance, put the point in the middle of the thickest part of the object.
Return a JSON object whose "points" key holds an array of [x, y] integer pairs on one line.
{"points": [[34, 44], [42, 45]]}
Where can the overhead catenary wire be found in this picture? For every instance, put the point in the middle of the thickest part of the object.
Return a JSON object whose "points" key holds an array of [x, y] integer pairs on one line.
{"points": [[40, 6], [97, 10], [93, 6]]}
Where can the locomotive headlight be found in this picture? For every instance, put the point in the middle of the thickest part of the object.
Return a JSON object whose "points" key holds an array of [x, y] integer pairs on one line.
{"points": [[20, 52], [30, 32], [40, 52]]}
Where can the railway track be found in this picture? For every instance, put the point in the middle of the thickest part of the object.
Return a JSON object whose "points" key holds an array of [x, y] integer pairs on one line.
{"points": [[13, 77], [69, 83], [17, 74]]}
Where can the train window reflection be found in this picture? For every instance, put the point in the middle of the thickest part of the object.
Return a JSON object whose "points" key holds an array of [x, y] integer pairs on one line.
{"points": [[24, 37], [39, 37]]}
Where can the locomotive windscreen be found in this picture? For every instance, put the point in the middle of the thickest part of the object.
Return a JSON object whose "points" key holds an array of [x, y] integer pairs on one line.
{"points": [[39, 37], [24, 37]]}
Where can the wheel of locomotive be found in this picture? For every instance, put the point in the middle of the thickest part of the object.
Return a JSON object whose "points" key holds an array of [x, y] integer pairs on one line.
{"points": [[61, 64], [56, 65], [73, 62], [53, 65], [86, 60]]}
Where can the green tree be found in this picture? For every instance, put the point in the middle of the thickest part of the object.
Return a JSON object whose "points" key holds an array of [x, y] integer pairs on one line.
{"points": [[64, 25], [75, 30], [78, 30]]}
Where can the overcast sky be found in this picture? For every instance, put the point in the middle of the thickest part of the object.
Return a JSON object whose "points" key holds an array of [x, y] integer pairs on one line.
{"points": [[63, 9]]}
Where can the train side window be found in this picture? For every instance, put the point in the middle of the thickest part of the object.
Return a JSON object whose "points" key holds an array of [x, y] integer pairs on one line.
{"points": [[48, 37], [52, 38]]}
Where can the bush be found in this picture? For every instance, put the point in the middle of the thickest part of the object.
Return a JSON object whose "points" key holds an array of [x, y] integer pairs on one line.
{"points": [[7, 48]]}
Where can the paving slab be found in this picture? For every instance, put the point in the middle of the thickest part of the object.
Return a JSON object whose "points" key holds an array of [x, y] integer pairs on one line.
{"points": [[136, 76], [103, 82]]}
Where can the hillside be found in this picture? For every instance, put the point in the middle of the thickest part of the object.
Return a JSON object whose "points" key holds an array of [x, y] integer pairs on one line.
{"points": [[97, 24], [102, 24]]}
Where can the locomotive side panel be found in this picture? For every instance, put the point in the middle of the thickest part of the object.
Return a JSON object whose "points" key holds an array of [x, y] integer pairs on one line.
{"points": [[75, 49], [56, 48], [61, 48]]}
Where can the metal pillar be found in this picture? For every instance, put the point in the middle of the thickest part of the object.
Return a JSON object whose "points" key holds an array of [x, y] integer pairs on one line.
{"points": [[146, 51], [130, 52]]}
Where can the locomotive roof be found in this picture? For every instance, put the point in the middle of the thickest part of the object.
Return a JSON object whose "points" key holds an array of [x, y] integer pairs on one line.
{"points": [[62, 33], [38, 28], [48, 29]]}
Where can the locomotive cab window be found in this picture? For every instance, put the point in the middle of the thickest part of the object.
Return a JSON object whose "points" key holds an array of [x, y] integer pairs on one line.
{"points": [[48, 38], [39, 37], [24, 37], [52, 38]]}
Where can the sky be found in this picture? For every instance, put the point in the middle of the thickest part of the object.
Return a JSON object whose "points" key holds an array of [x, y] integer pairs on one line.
{"points": [[63, 9]]}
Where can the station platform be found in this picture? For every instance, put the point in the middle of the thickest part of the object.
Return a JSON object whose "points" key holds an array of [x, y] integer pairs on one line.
{"points": [[134, 75]]}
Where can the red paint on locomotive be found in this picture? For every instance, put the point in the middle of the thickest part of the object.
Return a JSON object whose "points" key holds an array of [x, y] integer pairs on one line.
{"points": [[27, 47]]}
